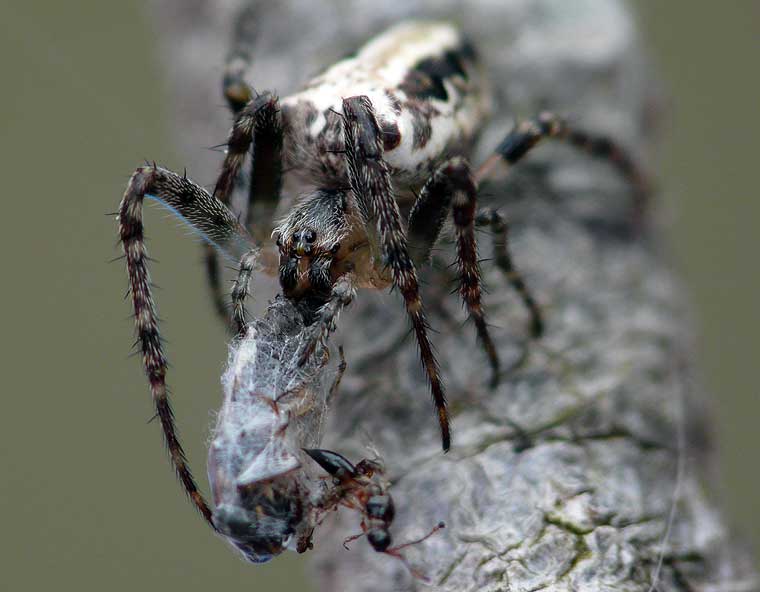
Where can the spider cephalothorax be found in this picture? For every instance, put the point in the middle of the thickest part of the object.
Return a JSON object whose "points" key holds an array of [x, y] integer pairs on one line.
{"points": [[391, 125], [319, 242]]}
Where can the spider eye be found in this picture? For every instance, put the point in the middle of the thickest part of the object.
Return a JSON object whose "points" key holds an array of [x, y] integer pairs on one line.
{"points": [[309, 236], [335, 248]]}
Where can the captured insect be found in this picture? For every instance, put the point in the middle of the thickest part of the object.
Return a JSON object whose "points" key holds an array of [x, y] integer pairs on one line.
{"points": [[267, 496], [363, 488], [261, 481], [386, 130]]}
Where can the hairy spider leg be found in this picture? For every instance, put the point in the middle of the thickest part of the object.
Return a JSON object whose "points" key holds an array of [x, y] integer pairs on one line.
{"points": [[342, 294], [370, 181], [239, 58], [251, 261], [452, 188], [341, 370], [266, 173], [526, 135], [219, 227], [240, 291], [258, 124], [258, 129], [497, 222]]}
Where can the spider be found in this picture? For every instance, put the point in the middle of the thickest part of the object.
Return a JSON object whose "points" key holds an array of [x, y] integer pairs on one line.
{"points": [[382, 132], [363, 488]]}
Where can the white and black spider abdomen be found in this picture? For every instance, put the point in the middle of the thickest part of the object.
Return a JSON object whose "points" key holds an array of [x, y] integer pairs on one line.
{"points": [[428, 92]]}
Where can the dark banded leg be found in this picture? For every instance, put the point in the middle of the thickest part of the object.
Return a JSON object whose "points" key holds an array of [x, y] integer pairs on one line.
{"points": [[240, 291], [207, 216], [451, 187], [343, 293], [252, 261], [257, 124], [266, 128], [214, 278], [238, 94], [239, 58], [370, 182], [498, 225], [335, 386], [218, 226], [528, 134]]}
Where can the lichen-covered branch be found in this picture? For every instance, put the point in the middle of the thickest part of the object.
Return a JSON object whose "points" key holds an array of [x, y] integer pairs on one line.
{"points": [[587, 468]]}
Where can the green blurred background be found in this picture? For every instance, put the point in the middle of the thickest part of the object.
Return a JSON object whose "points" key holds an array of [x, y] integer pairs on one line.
{"points": [[88, 500]]}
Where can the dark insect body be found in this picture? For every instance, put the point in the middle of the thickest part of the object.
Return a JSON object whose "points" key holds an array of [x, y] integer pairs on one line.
{"points": [[363, 488], [386, 131]]}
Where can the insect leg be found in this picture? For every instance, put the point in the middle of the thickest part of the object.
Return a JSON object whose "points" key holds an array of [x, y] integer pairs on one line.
{"points": [[219, 227], [451, 187], [351, 539], [370, 182], [435, 529], [528, 134], [396, 552]]}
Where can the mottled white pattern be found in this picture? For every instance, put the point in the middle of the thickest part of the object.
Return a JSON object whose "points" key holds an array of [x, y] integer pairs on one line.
{"points": [[388, 57], [378, 69]]}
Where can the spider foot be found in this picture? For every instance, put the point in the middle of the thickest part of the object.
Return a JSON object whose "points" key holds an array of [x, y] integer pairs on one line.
{"points": [[312, 342]]}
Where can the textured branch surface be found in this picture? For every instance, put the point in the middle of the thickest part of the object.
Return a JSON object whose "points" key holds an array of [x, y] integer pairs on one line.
{"points": [[564, 477]]}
